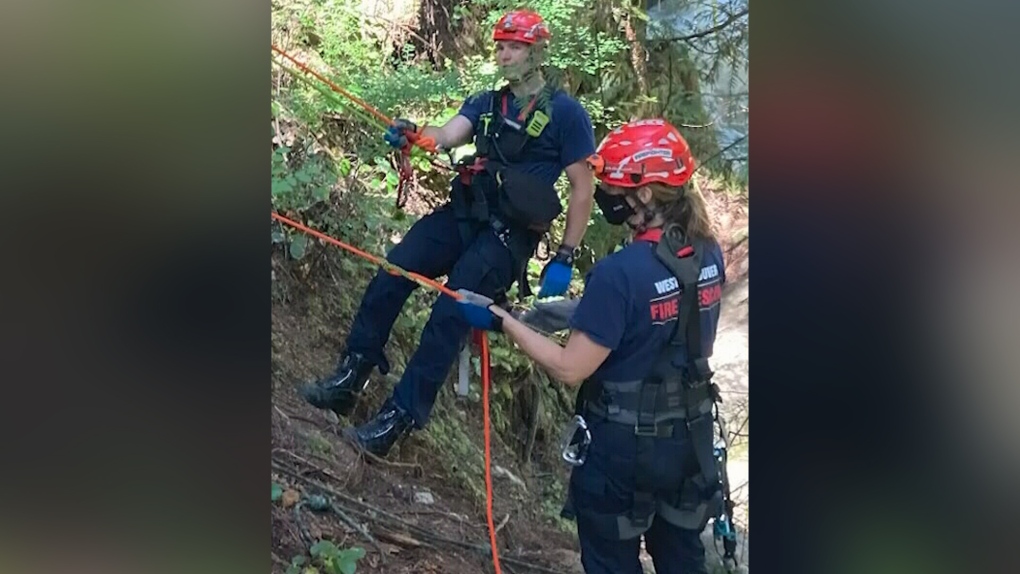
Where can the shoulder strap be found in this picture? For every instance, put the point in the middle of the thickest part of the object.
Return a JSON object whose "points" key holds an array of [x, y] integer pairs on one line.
{"points": [[683, 259]]}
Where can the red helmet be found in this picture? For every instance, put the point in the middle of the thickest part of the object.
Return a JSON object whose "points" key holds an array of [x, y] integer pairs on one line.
{"points": [[521, 26], [641, 152]]}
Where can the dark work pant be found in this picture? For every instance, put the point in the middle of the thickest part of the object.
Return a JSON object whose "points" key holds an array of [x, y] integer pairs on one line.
{"points": [[605, 485], [432, 247]]}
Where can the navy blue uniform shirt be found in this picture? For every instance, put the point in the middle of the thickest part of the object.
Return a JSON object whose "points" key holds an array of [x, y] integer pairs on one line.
{"points": [[567, 138], [631, 304]]}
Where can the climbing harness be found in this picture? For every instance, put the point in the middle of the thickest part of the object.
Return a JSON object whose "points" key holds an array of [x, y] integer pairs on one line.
{"points": [[491, 191], [652, 406], [429, 145]]}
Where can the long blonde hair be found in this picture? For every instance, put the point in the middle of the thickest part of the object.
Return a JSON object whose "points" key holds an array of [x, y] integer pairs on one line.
{"points": [[685, 207]]}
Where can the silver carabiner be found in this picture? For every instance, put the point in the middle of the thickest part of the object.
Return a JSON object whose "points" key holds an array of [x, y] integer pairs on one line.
{"points": [[575, 441]]}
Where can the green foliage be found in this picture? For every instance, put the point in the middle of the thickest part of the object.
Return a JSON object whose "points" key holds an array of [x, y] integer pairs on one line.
{"points": [[300, 183], [448, 438], [296, 564], [331, 559]]}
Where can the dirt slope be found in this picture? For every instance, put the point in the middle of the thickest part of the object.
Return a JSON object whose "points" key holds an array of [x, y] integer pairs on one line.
{"points": [[308, 449]]}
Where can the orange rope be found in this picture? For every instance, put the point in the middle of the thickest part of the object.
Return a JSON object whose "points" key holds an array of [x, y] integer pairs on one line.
{"points": [[488, 453], [379, 115], [403, 164], [425, 281], [426, 143], [386, 265]]}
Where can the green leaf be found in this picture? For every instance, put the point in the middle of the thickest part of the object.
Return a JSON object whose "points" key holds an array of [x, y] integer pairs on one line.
{"points": [[347, 567], [323, 548], [345, 166], [298, 246], [277, 492], [303, 176], [355, 554], [281, 186]]}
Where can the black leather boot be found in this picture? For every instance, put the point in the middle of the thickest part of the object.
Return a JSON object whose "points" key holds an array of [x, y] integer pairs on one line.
{"points": [[378, 435], [340, 391]]}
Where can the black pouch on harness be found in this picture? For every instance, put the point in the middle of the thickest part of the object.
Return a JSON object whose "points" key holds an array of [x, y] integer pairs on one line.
{"points": [[526, 200]]}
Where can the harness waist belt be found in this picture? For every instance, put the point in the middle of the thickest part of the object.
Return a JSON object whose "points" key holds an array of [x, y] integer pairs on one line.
{"points": [[620, 401], [630, 417]]}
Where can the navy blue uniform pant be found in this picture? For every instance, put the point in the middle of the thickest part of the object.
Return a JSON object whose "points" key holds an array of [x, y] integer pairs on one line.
{"points": [[604, 485], [433, 247]]}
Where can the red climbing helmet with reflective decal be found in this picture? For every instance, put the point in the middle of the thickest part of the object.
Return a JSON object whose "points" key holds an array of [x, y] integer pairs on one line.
{"points": [[521, 26], [641, 152]]}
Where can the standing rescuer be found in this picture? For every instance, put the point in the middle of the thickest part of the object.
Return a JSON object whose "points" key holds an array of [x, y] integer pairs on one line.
{"points": [[526, 135], [639, 345]]}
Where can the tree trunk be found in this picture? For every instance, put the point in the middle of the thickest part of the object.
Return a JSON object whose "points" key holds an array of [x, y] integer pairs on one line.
{"points": [[634, 32], [434, 28]]}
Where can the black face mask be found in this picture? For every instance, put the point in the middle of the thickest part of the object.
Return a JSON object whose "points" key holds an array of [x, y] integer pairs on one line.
{"points": [[614, 207]]}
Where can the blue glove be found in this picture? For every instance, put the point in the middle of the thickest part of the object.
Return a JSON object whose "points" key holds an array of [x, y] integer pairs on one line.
{"points": [[396, 133], [475, 309], [556, 274]]}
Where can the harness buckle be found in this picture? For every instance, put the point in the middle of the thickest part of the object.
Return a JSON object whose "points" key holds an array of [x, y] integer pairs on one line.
{"points": [[643, 510], [468, 168], [646, 429], [575, 441], [647, 402]]}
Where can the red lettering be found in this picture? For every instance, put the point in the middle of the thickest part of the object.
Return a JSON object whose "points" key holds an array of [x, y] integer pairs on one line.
{"points": [[665, 310], [709, 295]]}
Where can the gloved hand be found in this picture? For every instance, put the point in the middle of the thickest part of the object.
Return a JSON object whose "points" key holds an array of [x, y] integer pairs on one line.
{"points": [[555, 276], [396, 133], [475, 309]]}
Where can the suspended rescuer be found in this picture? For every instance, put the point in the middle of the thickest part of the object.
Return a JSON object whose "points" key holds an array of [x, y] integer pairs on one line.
{"points": [[502, 200], [639, 346]]}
